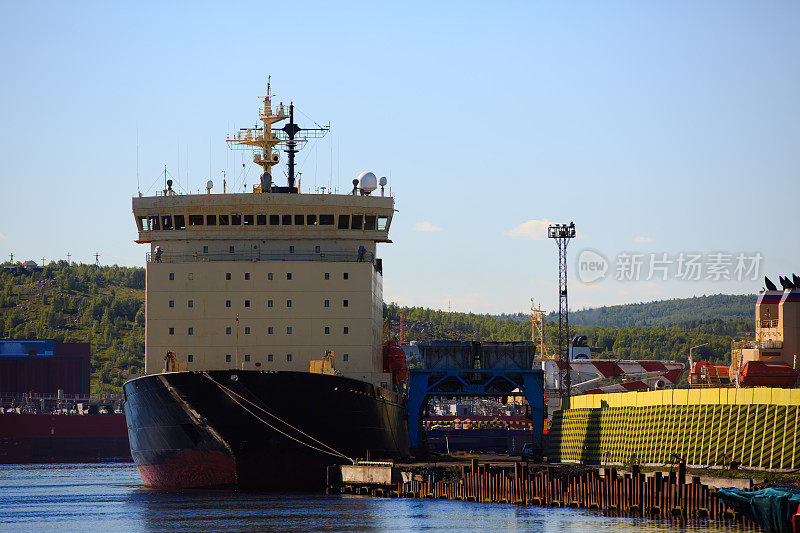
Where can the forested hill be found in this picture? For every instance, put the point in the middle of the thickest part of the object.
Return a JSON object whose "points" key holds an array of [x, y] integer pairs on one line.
{"points": [[634, 342], [665, 313], [102, 305]]}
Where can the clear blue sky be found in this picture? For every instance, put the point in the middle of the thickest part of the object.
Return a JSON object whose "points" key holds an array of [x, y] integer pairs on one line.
{"points": [[661, 127]]}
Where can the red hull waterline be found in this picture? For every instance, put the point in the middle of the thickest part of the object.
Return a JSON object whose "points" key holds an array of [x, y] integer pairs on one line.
{"points": [[192, 469]]}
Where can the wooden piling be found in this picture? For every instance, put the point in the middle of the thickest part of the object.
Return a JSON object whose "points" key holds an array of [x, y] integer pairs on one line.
{"points": [[632, 494]]}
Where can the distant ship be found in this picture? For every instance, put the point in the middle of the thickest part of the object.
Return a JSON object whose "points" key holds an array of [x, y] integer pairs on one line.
{"points": [[46, 412], [264, 320]]}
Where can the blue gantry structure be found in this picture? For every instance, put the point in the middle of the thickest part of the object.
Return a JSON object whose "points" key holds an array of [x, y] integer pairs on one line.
{"points": [[475, 369]]}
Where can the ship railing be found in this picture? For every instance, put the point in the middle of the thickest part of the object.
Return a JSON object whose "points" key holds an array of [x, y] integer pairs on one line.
{"points": [[50, 403], [771, 323], [757, 344], [277, 111], [257, 255]]}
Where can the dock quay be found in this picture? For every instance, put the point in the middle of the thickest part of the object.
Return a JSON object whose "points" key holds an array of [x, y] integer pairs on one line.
{"points": [[660, 495]]}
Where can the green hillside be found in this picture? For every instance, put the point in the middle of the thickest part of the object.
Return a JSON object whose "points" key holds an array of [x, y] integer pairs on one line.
{"points": [[80, 303], [666, 313], [104, 306]]}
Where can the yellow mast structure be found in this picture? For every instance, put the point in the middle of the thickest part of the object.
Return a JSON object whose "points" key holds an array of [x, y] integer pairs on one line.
{"points": [[262, 140], [537, 331]]}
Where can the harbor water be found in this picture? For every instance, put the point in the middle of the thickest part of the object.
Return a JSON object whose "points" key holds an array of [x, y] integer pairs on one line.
{"points": [[110, 497]]}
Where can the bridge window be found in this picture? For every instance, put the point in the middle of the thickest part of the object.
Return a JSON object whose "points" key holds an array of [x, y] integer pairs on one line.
{"points": [[344, 221], [247, 358], [369, 222], [356, 222], [195, 220], [382, 223], [227, 358], [286, 220], [166, 222], [274, 220], [326, 220], [152, 222], [180, 222], [311, 220], [248, 220], [223, 220], [236, 219], [261, 220], [298, 220], [211, 220]]}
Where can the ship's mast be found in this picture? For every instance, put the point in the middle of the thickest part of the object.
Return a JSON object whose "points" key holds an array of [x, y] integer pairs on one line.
{"points": [[264, 139]]}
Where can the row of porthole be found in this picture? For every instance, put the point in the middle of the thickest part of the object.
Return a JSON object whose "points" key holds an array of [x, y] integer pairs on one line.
{"points": [[270, 303], [270, 330], [270, 276], [270, 358]]}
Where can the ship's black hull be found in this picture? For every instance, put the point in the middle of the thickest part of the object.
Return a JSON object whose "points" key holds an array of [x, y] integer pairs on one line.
{"points": [[256, 430]]}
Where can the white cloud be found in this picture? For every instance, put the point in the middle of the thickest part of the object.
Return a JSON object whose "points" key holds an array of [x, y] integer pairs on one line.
{"points": [[643, 239], [532, 229], [425, 226]]}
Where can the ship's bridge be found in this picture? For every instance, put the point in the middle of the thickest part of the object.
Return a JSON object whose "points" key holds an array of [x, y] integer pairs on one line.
{"points": [[263, 216]]}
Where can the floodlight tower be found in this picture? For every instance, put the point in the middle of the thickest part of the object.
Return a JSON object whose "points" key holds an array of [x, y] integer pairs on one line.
{"points": [[562, 233]]}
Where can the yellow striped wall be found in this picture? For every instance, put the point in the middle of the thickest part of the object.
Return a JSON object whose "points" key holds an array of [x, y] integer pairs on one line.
{"points": [[755, 427]]}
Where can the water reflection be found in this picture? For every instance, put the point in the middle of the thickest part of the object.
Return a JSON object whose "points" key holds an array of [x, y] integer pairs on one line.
{"points": [[107, 498]]}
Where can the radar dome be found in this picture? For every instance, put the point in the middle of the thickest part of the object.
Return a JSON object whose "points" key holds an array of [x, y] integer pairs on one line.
{"points": [[209, 184], [383, 181], [367, 182]]}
